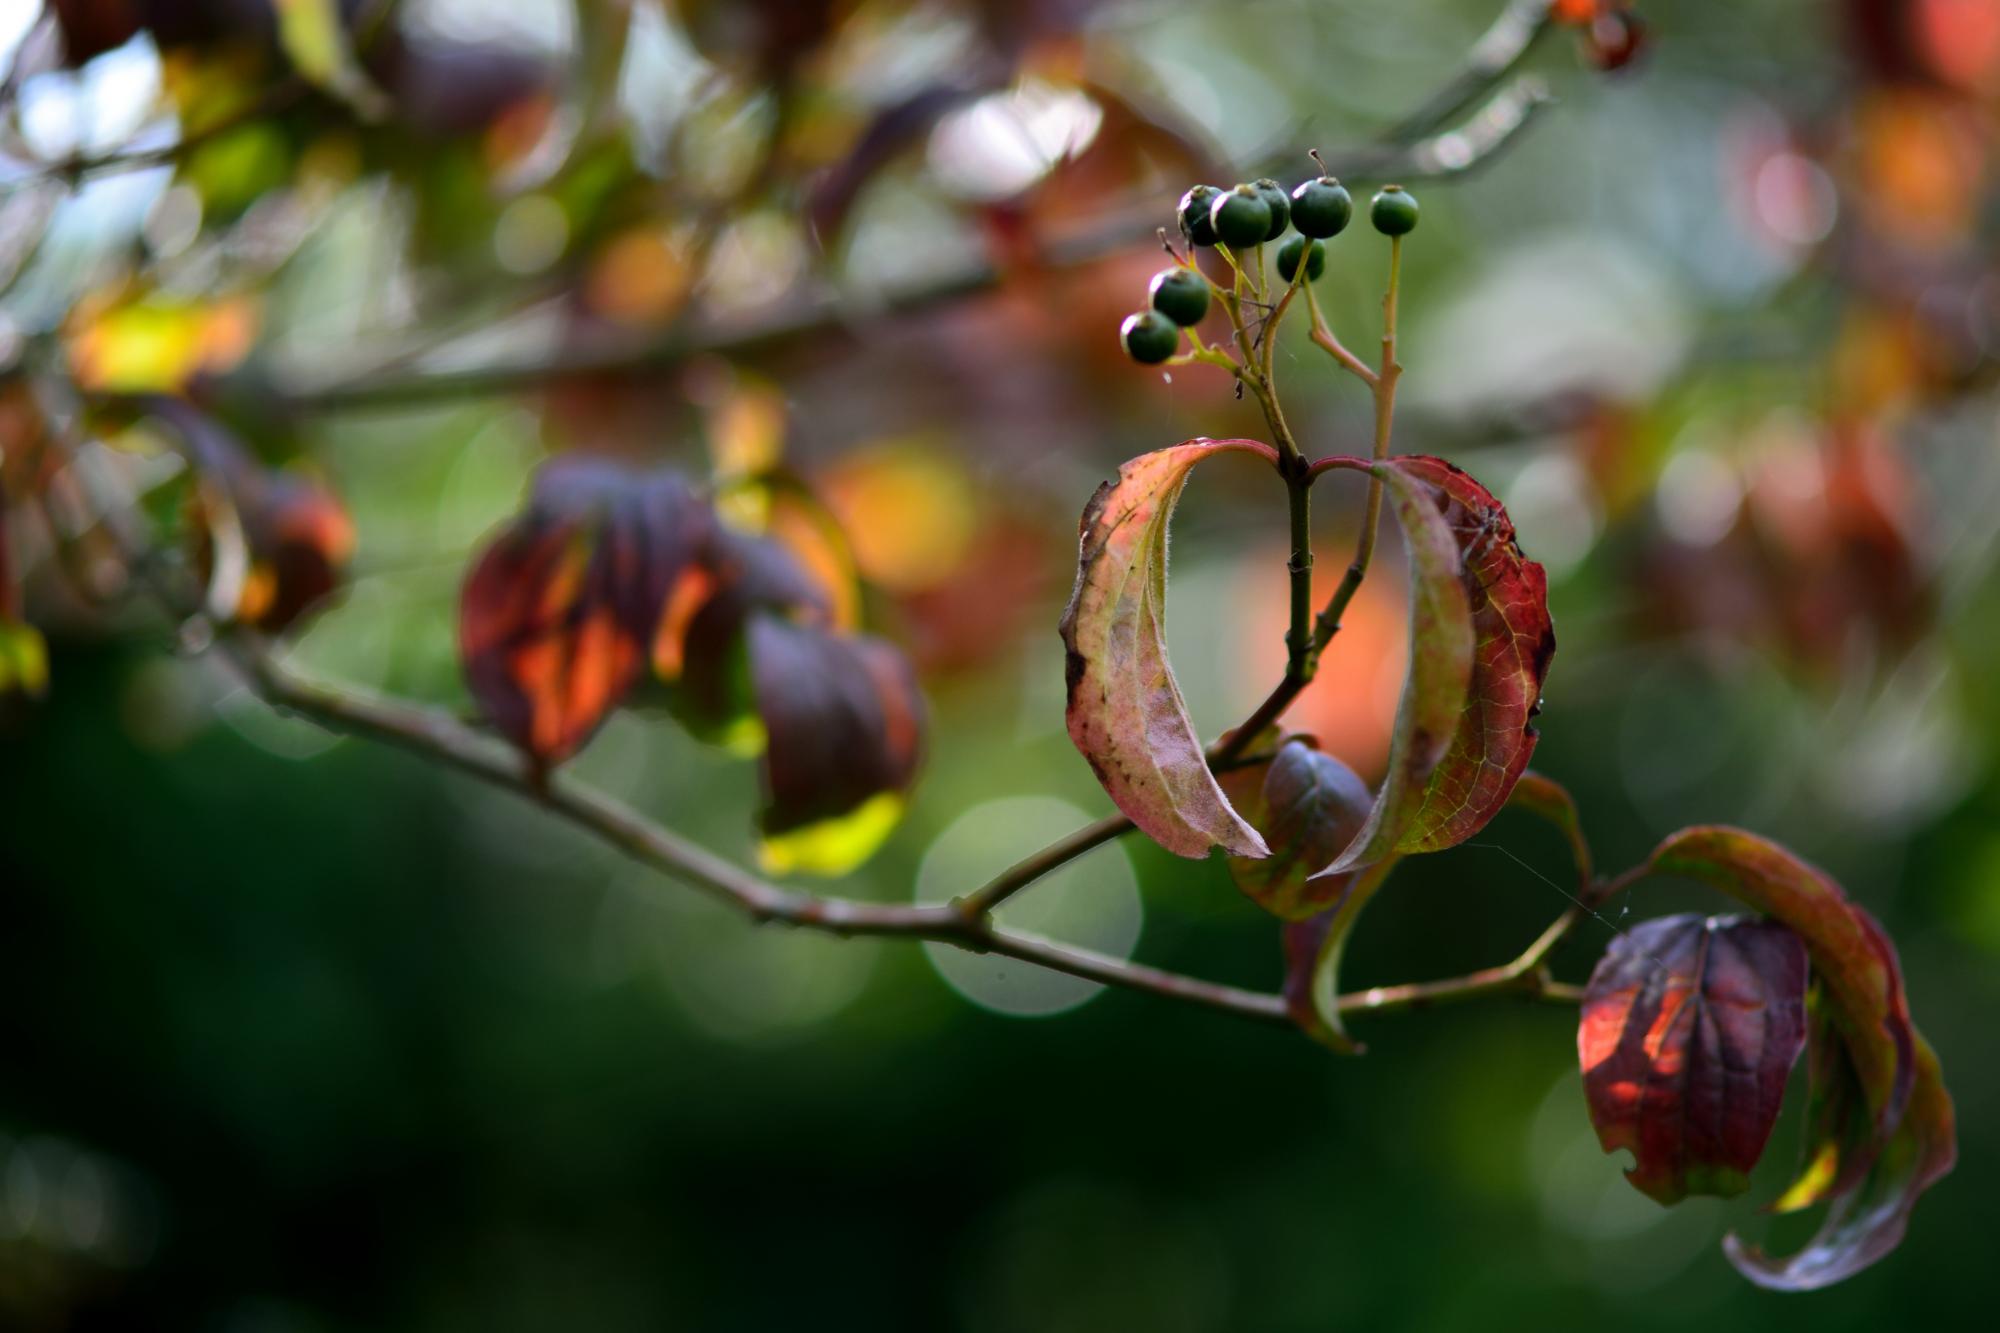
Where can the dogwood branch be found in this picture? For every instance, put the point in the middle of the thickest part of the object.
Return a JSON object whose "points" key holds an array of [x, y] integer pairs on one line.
{"points": [[439, 737], [442, 738]]}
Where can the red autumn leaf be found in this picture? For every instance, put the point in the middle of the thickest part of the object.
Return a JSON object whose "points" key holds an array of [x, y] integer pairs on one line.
{"points": [[1308, 805], [558, 615], [273, 543], [1437, 693], [1883, 1127], [1850, 955], [1514, 643], [1125, 710], [300, 540], [699, 647], [1690, 1027]]}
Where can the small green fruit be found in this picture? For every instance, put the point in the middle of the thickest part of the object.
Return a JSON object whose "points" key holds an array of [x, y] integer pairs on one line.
{"points": [[1181, 294], [1240, 217], [1275, 199], [1194, 207], [1288, 258], [1149, 337], [1394, 211], [1322, 208]]}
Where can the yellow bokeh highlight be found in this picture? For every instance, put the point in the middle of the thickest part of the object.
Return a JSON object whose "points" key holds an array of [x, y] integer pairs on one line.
{"points": [[835, 846], [24, 659], [156, 345]]}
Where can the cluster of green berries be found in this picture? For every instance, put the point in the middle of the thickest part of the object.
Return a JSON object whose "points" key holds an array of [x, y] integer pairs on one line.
{"points": [[1242, 219]]}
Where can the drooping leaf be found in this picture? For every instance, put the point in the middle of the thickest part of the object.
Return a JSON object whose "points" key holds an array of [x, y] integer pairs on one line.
{"points": [[1125, 710], [559, 614], [844, 724], [1850, 955], [1308, 806], [700, 647], [1882, 1127], [1438, 687], [1867, 1218], [1690, 1026]]}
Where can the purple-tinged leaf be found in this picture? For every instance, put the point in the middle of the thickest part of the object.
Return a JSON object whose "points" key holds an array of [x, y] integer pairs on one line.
{"points": [[558, 614], [1690, 1026], [1308, 805], [844, 726], [1882, 1125]]}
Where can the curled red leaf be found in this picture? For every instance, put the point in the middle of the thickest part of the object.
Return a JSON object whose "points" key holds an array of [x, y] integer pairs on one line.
{"points": [[1866, 1216], [1690, 1026], [1435, 693], [1480, 645], [1514, 643], [558, 614], [1883, 1128], [1125, 711]]}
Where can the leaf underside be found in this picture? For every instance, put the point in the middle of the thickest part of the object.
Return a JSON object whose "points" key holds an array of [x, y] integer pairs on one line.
{"points": [[1442, 642], [1125, 711]]}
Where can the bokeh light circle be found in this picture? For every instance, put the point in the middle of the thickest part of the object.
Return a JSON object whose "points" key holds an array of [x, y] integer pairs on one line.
{"points": [[1093, 901]]}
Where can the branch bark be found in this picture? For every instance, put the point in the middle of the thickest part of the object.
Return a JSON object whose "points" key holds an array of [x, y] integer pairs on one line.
{"points": [[438, 736]]}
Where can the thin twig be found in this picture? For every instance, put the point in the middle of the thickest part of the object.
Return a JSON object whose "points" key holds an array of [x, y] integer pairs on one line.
{"points": [[1499, 50], [438, 736], [272, 100], [826, 312]]}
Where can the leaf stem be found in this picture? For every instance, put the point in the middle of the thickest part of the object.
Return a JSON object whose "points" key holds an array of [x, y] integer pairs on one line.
{"points": [[1031, 868], [1527, 974], [1383, 383]]}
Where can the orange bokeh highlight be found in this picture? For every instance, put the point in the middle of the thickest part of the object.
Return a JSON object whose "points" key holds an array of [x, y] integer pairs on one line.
{"points": [[1351, 704]]}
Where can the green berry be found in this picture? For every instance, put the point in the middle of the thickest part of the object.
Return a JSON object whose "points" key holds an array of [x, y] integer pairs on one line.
{"points": [[1181, 294], [1322, 208], [1194, 207], [1149, 337], [1288, 258], [1394, 211], [1275, 199], [1241, 218]]}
